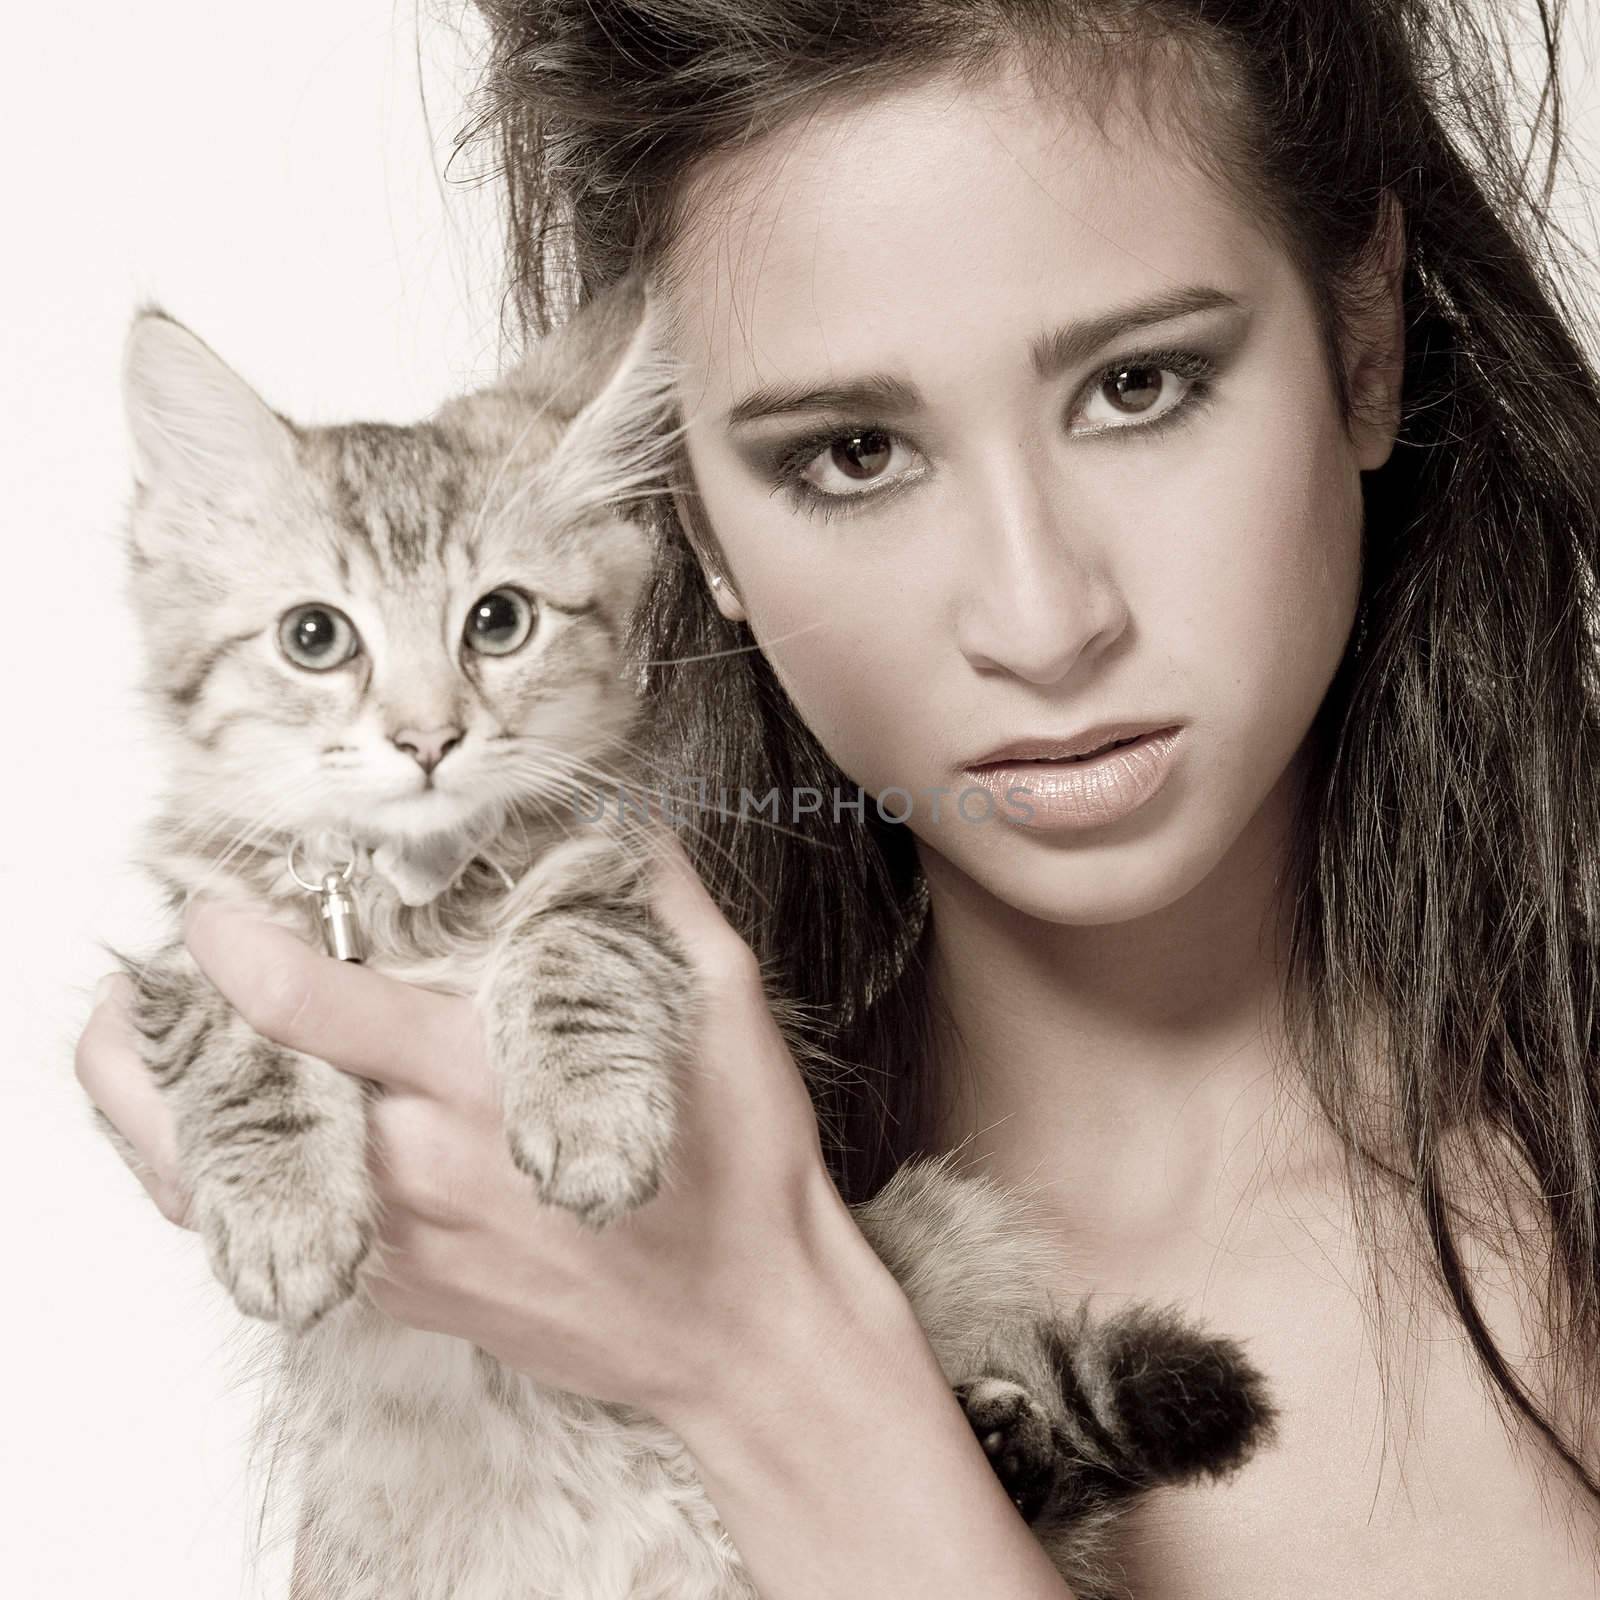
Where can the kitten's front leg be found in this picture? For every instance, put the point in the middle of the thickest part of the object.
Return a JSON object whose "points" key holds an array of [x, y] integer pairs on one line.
{"points": [[587, 1014], [271, 1145]]}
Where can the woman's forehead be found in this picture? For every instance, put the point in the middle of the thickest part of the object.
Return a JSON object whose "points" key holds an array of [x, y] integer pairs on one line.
{"points": [[934, 216]]}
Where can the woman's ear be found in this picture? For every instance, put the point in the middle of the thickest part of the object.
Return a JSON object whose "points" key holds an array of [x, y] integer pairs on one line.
{"points": [[705, 552], [1377, 373]]}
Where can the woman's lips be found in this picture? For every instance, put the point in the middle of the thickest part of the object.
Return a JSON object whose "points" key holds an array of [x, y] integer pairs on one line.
{"points": [[1079, 791]]}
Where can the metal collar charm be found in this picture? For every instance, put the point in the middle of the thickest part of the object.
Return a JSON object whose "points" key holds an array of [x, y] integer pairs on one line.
{"points": [[336, 907], [336, 904]]}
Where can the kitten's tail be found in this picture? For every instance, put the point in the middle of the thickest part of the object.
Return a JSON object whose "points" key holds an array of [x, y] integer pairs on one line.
{"points": [[1150, 1399]]}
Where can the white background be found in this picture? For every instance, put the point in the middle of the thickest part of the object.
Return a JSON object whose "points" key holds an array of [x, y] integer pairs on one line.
{"points": [[267, 174], [264, 172]]}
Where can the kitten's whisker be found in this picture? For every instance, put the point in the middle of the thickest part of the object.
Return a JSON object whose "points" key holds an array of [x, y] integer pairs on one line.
{"points": [[222, 819], [259, 832], [682, 802], [546, 760], [652, 842], [734, 650], [201, 844], [520, 818], [252, 835], [626, 822], [536, 777], [628, 754], [545, 809]]}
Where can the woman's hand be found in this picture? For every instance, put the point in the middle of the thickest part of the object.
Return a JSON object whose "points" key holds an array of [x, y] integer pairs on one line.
{"points": [[675, 1307], [741, 1305]]}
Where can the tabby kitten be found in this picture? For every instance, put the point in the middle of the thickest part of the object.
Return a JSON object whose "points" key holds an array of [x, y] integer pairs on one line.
{"points": [[398, 650]]}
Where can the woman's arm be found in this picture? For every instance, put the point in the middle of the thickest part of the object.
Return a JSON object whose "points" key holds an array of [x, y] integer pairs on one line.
{"points": [[843, 1466]]}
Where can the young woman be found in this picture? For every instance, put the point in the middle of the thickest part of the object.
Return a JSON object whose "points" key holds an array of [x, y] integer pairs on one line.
{"points": [[1062, 374]]}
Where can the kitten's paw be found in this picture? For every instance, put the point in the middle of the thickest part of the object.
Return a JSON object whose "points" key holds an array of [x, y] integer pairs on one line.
{"points": [[599, 1152], [1017, 1437], [286, 1254]]}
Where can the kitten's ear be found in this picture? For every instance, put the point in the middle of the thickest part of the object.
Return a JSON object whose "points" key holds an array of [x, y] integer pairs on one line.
{"points": [[618, 384], [196, 425], [570, 366]]}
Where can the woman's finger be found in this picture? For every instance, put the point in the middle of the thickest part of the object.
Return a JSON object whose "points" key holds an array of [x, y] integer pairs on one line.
{"points": [[108, 1065], [397, 1033]]}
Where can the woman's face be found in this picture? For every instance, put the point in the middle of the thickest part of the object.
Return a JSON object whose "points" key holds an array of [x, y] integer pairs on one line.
{"points": [[973, 532]]}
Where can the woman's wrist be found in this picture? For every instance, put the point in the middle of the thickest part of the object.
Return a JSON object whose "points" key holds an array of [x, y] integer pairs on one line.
{"points": [[829, 1304], [839, 1459]]}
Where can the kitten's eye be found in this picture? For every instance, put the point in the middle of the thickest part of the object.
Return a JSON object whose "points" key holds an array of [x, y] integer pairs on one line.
{"points": [[500, 622], [318, 637]]}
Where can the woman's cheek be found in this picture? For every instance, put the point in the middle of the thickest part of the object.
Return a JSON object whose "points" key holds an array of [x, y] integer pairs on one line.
{"points": [[823, 641], [1285, 618], [845, 688], [1308, 576], [843, 635], [1280, 523]]}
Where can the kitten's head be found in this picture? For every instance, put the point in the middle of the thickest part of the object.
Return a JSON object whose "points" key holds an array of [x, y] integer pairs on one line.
{"points": [[393, 632]]}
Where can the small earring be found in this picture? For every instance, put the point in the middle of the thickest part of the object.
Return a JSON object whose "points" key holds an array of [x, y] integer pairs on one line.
{"points": [[716, 581]]}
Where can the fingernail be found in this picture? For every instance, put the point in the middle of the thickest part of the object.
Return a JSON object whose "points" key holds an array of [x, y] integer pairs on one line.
{"points": [[106, 988]]}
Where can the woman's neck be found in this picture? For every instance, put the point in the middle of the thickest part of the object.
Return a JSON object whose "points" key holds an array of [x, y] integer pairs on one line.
{"points": [[1132, 1072]]}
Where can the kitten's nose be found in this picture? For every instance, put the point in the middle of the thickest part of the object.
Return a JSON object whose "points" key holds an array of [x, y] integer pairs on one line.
{"points": [[427, 749]]}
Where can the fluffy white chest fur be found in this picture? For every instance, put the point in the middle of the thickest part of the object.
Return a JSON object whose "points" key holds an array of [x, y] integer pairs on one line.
{"points": [[436, 1472]]}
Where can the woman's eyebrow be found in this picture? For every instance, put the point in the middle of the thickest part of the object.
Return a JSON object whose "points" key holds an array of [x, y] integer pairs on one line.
{"points": [[1051, 353]]}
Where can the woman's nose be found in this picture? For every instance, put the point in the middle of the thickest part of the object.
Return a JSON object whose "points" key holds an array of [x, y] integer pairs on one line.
{"points": [[1034, 595]]}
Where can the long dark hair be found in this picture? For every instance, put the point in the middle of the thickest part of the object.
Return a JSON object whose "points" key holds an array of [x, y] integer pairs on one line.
{"points": [[1443, 872]]}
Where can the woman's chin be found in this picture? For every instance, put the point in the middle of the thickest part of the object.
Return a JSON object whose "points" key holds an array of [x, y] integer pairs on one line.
{"points": [[1086, 887]]}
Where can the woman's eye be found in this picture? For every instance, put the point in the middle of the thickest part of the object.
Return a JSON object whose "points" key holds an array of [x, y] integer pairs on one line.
{"points": [[500, 622], [317, 637], [842, 469], [853, 462], [1147, 390]]}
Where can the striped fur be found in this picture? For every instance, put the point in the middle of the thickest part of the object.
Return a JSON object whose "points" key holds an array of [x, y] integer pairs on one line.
{"points": [[428, 1471]]}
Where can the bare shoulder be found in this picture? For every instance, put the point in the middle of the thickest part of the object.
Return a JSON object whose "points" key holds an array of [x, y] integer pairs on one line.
{"points": [[1394, 1471]]}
